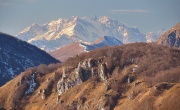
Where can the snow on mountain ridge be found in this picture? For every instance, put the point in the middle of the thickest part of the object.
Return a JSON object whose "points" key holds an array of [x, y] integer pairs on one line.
{"points": [[77, 48], [152, 37], [104, 41], [65, 31]]}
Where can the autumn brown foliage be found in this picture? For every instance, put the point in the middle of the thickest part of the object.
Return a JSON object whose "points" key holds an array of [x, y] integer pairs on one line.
{"points": [[154, 63], [151, 58]]}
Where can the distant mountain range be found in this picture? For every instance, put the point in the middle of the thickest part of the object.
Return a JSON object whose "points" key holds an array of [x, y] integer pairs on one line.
{"points": [[16, 56], [171, 37], [76, 48], [153, 36], [56, 34]]}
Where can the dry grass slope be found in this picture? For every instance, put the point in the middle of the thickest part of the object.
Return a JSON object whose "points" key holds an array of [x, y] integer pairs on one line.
{"points": [[140, 76]]}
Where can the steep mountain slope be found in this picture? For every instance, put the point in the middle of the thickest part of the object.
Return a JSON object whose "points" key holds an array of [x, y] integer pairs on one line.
{"points": [[17, 55], [76, 48], [129, 77], [171, 38], [61, 32], [67, 51]]}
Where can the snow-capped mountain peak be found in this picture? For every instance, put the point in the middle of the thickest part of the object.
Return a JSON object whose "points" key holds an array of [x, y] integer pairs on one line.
{"points": [[33, 27], [152, 37], [104, 19], [61, 32]]}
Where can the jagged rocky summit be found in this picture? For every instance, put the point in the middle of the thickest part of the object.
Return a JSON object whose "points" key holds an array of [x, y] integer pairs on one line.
{"points": [[82, 73], [56, 34]]}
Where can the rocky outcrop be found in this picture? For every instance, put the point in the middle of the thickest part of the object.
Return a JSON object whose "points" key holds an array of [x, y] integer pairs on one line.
{"points": [[117, 78], [102, 73], [32, 84], [83, 72], [43, 94], [69, 80]]}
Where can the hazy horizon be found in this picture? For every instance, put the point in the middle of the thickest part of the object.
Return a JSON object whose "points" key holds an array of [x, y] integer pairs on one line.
{"points": [[148, 16]]}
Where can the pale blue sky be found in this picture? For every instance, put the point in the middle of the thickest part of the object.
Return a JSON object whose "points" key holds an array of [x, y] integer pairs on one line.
{"points": [[147, 15]]}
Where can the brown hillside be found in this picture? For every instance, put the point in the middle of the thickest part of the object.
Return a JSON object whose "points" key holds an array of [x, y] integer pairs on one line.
{"points": [[171, 38], [64, 53], [135, 76]]}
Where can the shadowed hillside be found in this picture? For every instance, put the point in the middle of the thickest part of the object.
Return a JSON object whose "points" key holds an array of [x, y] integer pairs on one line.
{"points": [[17, 55]]}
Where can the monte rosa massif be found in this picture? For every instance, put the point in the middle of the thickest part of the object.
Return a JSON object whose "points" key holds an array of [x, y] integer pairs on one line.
{"points": [[56, 34]]}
